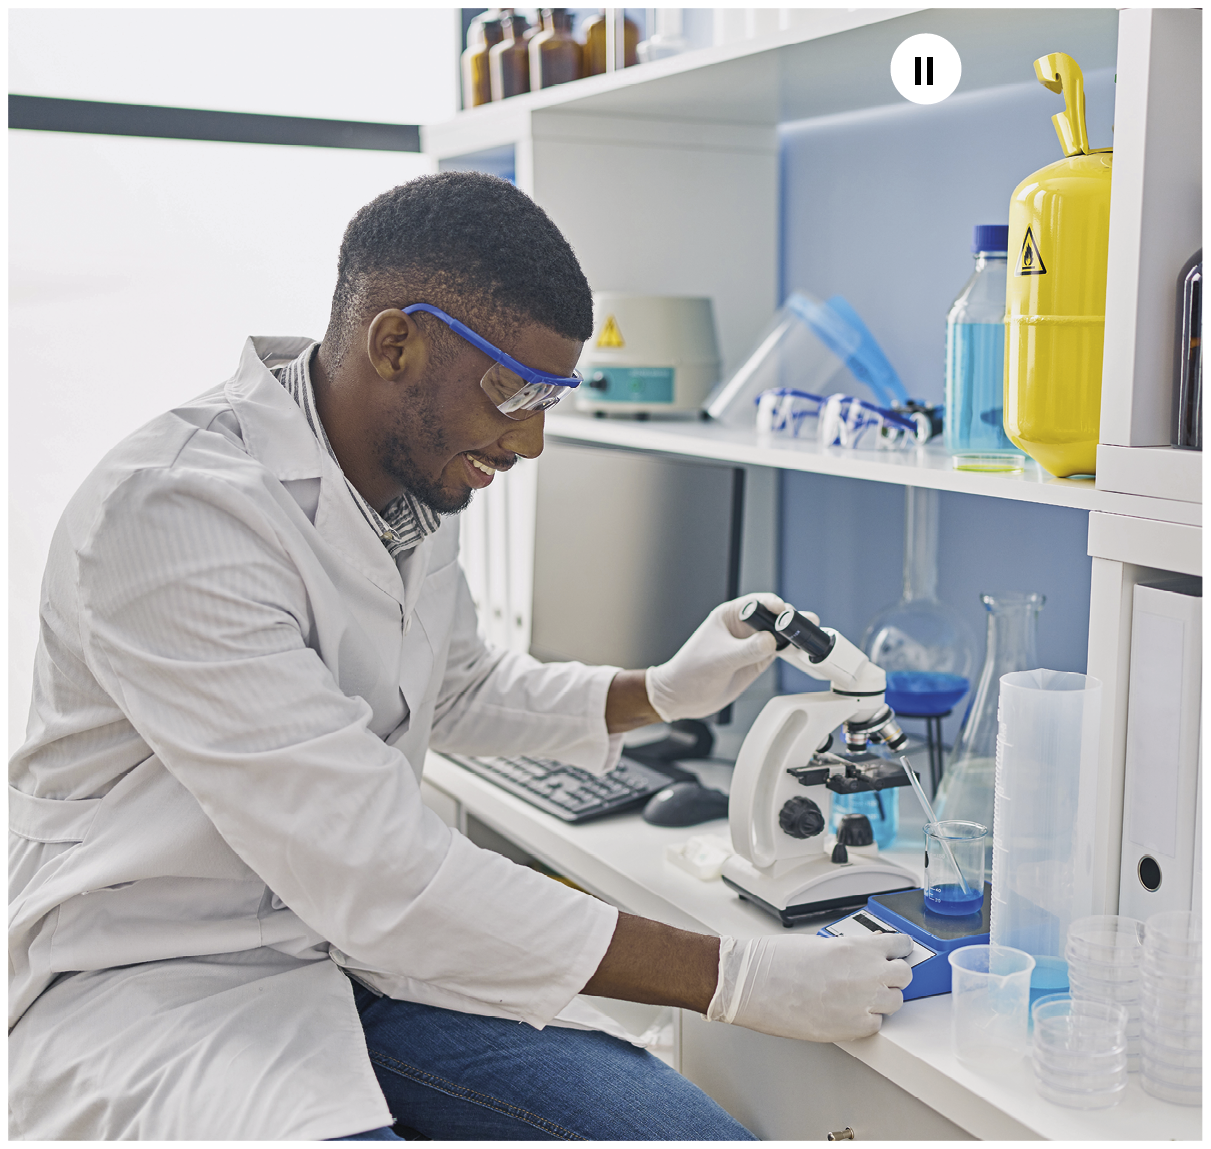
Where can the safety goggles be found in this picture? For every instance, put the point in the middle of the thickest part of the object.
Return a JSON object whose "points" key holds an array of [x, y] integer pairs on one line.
{"points": [[787, 411], [846, 421], [515, 390]]}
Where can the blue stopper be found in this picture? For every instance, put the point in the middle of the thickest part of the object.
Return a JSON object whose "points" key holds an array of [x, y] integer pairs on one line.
{"points": [[990, 237]]}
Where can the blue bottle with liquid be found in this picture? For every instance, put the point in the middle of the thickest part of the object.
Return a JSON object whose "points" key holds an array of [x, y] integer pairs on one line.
{"points": [[975, 360], [882, 810]]}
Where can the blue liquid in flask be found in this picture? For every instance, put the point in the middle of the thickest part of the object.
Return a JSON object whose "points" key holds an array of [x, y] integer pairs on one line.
{"points": [[975, 389]]}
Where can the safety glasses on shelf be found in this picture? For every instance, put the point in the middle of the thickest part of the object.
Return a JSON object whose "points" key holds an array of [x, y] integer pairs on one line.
{"points": [[786, 411], [846, 421], [515, 390]]}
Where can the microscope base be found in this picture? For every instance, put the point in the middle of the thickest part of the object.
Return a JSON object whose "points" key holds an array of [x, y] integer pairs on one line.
{"points": [[816, 887]]}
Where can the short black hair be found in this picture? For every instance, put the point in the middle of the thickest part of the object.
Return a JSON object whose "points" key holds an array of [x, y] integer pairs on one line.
{"points": [[469, 243]]}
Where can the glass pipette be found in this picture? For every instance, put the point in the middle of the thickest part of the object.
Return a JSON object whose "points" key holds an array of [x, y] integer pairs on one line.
{"points": [[920, 793]]}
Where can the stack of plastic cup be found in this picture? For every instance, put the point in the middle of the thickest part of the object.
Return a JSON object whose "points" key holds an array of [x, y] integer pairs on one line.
{"points": [[1105, 955], [1079, 1051], [1172, 1008]]}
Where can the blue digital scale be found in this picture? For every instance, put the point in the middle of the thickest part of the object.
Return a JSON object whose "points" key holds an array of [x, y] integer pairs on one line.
{"points": [[933, 935]]}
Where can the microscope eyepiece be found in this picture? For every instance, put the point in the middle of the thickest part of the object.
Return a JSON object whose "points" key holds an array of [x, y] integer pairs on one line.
{"points": [[762, 618], [805, 634]]}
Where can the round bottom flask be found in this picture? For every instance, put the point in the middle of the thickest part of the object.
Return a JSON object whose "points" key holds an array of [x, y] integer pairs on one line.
{"points": [[924, 645]]}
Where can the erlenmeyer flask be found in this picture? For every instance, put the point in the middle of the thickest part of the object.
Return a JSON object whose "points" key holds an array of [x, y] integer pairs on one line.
{"points": [[968, 784]]}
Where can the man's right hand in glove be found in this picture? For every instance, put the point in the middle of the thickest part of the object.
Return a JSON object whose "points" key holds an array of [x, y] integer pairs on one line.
{"points": [[790, 985], [813, 988]]}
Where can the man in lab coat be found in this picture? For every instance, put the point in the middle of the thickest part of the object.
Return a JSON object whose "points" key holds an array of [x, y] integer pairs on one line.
{"points": [[232, 917]]}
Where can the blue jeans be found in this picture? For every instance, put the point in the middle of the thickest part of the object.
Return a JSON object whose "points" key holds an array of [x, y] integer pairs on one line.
{"points": [[451, 1076]]}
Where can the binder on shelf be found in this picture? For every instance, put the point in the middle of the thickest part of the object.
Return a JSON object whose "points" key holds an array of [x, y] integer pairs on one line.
{"points": [[1161, 848]]}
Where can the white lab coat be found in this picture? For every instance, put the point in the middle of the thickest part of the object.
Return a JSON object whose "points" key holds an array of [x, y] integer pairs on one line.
{"points": [[218, 806]]}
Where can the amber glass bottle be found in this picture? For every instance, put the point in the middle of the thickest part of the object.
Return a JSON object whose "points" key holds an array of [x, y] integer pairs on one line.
{"points": [[509, 61], [595, 44], [555, 57], [485, 31]]}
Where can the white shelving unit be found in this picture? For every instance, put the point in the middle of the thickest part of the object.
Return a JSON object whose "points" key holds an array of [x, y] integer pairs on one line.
{"points": [[639, 167], [928, 466], [664, 176]]}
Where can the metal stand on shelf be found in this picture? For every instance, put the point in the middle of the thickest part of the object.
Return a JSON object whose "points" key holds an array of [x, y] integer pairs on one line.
{"points": [[933, 744]]}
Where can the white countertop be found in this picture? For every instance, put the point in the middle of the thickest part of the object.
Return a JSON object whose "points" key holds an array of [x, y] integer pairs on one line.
{"points": [[621, 859]]}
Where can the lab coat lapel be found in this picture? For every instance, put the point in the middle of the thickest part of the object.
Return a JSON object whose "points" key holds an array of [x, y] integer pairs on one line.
{"points": [[275, 431], [277, 434], [417, 654], [342, 525]]}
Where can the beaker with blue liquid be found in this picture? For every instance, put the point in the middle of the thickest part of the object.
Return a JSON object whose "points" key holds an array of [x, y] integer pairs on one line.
{"points": [[954, 867], [975, 361]]}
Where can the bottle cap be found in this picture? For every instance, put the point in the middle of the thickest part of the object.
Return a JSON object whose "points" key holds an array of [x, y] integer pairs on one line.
{"points": [[990, 237]]}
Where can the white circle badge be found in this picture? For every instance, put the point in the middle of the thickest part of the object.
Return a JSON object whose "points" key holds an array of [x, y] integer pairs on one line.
{"points": [[926, 68]]}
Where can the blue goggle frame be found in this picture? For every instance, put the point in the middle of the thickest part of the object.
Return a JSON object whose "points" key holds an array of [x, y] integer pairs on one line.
{"points": [[528, 391]]}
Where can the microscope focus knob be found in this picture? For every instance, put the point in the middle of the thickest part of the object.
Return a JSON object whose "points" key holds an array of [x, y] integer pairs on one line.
{"points": [[801, 818], [854, 830]]}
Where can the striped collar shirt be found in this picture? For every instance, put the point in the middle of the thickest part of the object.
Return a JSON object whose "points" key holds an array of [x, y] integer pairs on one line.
{"points": [[405, 521]]}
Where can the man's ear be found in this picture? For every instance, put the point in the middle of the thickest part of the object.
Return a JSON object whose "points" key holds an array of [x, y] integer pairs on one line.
{"points": [[395, 345]]}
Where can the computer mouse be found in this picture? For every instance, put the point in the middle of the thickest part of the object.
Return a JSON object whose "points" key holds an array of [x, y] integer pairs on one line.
{"points": [[685, 804]]}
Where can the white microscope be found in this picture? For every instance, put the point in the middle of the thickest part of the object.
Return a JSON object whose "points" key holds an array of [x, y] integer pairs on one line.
{"points": [[782, 787]]}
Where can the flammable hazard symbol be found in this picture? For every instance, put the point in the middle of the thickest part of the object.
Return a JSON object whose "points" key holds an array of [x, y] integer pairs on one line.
{"points": [[1030, 262], [610, 335]]}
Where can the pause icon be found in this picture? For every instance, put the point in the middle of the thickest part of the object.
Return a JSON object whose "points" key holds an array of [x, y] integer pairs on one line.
{"points": [[925, 68]]}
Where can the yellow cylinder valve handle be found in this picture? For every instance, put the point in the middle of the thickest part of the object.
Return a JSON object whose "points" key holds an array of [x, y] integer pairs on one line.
{"points": [[1055, 302]]}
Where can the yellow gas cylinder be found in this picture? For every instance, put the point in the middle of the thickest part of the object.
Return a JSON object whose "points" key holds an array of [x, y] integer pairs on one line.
{"points": [[1055, 304]]}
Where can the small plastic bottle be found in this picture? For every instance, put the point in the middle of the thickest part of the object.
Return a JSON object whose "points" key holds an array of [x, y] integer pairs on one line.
{"points": [[485, 31], [555, 57], [975, 361], [509, 61], [595, 44]]}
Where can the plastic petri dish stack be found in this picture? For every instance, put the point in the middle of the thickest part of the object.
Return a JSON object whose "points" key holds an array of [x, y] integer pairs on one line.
{"points": [[1172, 1008], [997, 461], [1079, 1051], [1105, 956]]}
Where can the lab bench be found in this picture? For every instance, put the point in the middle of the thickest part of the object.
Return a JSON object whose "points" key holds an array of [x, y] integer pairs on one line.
{"points": [[904, 1083]]}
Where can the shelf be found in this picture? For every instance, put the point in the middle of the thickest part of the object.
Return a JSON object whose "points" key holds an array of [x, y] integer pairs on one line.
{"points": [[821, 67], [1158, 472], [923, 467]]}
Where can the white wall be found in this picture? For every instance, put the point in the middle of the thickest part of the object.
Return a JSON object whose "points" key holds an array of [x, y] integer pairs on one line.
{"points": [[384, 65], [138, 268]]}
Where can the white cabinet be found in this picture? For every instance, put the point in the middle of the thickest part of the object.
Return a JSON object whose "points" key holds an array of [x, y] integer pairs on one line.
{"points": [[665, 179], [801, 1091]]}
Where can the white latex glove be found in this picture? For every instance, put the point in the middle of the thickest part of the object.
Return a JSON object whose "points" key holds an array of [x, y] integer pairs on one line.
{"points": [[716, 663], [812, 988]]}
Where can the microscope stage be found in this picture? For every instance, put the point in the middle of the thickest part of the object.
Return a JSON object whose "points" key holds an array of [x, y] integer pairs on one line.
{"points": [[816, 886]]}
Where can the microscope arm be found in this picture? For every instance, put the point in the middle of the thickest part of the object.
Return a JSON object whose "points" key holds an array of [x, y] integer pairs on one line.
{"points": [[793, 728]]}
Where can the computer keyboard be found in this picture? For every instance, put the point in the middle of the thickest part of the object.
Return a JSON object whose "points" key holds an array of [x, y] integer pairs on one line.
{"points": [[567, 792]]}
